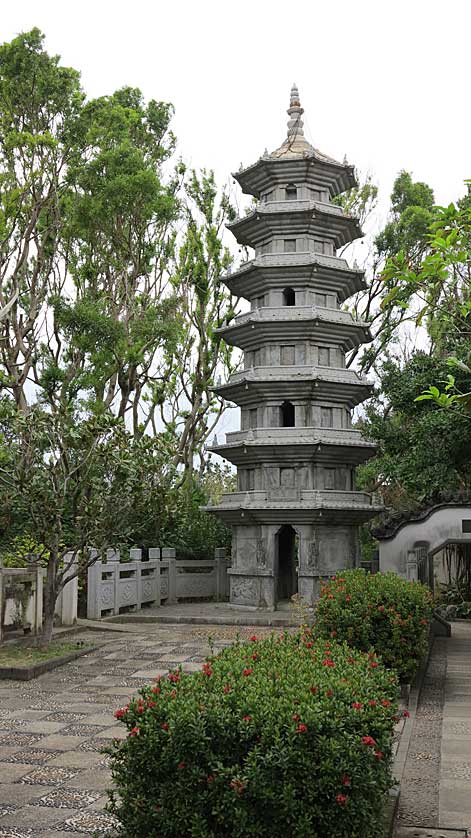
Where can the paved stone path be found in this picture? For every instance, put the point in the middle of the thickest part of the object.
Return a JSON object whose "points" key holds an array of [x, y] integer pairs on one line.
{"points": [[436, 787], [52, 775]]}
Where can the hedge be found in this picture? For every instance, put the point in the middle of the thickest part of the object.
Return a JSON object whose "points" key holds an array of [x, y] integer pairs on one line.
{"points": [[378, 611], [276, 737]]}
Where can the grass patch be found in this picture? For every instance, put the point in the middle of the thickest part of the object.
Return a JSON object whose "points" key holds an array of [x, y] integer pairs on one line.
{"points": [[22, 655]]}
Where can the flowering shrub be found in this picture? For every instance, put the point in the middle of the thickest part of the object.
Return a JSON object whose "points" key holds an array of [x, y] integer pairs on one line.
{"points": [[380, 611], [276, 737]]}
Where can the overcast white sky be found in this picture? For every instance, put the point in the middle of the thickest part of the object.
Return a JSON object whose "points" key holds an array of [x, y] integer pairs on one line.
{"points": [[386, 82]]}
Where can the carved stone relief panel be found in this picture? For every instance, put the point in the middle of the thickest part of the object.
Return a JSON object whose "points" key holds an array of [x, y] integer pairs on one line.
{"points": [[245, 590]]}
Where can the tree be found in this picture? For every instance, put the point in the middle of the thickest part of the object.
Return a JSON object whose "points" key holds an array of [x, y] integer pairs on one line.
{"points": [[68, 484], [192, 408], [39, 101], [110, 296], [407, 232], [422, 449]]}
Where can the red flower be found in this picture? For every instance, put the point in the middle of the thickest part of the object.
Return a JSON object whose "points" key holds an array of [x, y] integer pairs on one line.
{"points": [[372, 702], [330, 596], [301, 728], [151, 704], [247, 672], [295, 718], [207, 669], [246, 718], [313, 690], [385, 702], [238, 786], [156, 690], [424, 622], [329, 693], [406, 714], [373, 664], [348, 598], [346, 781], [254, 657], [350, 660], [164, 726], [308, 645], [140, 708], [328, 662], [333, 633], [227, 689], [134, 731], [378, 755], [381, 608], [181, 765], [210, 778], [254, 638], [342, 799], [173, 694], [368, 740], [174, 677], [357, 705], [118, 714]]}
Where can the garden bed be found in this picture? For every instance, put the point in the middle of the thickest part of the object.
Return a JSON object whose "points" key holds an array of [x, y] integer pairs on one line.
{"points": [[22, 663]]}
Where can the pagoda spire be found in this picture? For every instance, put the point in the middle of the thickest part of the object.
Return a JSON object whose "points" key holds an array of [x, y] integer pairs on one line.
{"points": [[295, 143], [295, 112]]}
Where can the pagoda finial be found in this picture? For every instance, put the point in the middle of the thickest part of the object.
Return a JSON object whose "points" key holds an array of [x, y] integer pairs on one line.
{"points": [[295, 123], [294, 98]]}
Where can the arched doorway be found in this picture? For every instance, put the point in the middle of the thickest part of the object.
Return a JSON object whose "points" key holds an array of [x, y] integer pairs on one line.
{"points": [[286, 563]]}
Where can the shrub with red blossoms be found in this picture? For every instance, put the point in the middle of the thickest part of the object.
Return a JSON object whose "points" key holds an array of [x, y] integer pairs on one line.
{"points": [[210, 755], [378, 611]]}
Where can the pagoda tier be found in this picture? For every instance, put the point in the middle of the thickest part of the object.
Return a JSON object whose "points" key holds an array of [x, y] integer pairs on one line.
{"points": [[313, 168], [307, 271], [298, 323], [296, 218], [310, 445], [295, 517], [307, 384], [299, 507]]}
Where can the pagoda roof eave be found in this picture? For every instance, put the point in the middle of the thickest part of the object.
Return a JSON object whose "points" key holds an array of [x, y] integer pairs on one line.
{"points": [[342, 386], [297, 450], [306, 506], [278, 270], [337, 176], [309, 216], [292, 323]]}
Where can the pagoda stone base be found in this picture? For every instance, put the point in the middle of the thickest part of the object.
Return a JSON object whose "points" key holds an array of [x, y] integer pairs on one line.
{"points": [[272, 563]]}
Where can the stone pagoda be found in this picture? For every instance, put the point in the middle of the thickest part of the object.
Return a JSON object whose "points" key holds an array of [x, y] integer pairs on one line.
{"points": [[296, 513]]}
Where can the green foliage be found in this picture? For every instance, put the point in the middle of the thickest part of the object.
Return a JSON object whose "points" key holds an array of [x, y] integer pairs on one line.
{"points": [[412, 210], [405, 237], [378, 611], [406, 468], [273, 735]]}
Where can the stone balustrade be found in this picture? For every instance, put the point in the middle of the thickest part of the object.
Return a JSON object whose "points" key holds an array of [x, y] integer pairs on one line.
{"points": [[114, 585]]}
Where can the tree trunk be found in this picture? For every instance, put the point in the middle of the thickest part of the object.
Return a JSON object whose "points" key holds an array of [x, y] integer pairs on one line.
{"points": [[49, 601]]}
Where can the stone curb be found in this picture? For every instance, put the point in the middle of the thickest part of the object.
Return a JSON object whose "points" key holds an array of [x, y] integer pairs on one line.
{"points": [[26, 673], [237, 620]]}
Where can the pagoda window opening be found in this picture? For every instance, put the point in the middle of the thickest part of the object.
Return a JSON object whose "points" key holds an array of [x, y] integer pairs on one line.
{"points": [[324, 356], [253, 417], [287, 415], [289, 297], [290, 245], [291, 192], [327, 417], [266, 248]]}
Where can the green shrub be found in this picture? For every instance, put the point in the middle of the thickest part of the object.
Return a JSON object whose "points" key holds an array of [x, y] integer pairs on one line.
{"points": [[378, 611], [272, 738]]}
